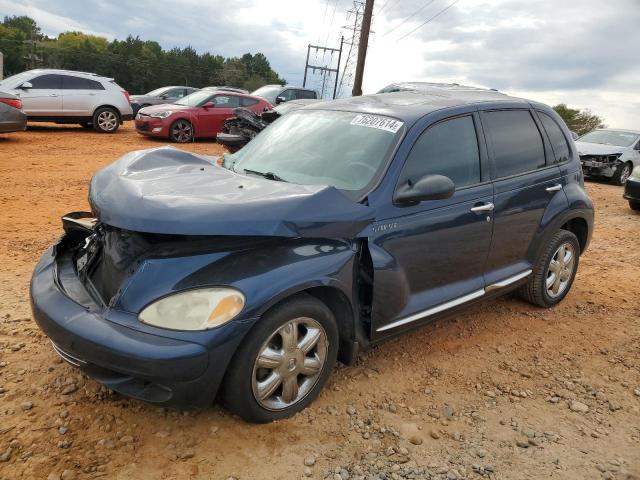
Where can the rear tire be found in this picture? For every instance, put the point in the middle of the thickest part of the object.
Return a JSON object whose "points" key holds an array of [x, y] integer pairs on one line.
{"points": [[284, 362], [554, 272], [634, 205], [106, 120], [622, 174], [181, 131]]}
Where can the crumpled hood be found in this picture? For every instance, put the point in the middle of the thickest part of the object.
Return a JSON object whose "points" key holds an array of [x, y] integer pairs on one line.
{"points": [[169, 191], [585, 148]]}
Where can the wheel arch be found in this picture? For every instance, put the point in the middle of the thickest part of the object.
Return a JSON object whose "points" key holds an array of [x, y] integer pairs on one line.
{"points": [[106, 105]]}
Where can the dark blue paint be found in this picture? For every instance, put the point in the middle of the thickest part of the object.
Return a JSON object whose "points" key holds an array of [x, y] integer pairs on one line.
{"points": [[422, 254]]}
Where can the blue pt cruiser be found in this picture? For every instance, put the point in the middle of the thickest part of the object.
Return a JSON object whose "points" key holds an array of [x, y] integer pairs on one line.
{"points": [[342, 224]]}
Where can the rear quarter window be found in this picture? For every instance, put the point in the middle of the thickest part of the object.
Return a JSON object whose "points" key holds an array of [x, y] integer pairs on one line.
{"points": [[517, 144], [248, 102], [556, 137]]}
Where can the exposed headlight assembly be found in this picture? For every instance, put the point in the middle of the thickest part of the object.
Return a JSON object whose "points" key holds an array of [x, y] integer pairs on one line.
{"points": [[635, 174], [198, 309], [164, 114]]}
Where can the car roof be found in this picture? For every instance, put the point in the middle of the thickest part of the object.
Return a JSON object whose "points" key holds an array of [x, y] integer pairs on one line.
{"points": [[426, 86], [409, 106], [65, 72]]}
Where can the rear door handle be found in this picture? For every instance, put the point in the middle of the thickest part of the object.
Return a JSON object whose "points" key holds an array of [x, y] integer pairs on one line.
{"points": [[53, 94], [486, 207], [554, 188]]}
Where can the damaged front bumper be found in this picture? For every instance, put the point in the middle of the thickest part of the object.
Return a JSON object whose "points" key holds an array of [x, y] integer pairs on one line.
{"points": [[600, 165], [146, 363]]}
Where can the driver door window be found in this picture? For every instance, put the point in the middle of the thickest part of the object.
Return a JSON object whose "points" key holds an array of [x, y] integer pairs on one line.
{"points": [[226, 101], [448, 148], [288, 95]]}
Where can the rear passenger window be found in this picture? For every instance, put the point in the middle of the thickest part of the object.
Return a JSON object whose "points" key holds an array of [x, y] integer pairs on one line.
{"points": [[517, 144], [306, 94], [77, 83], [248, 102], [47, 82], [449, 148], [556, 137], [226, 101]]}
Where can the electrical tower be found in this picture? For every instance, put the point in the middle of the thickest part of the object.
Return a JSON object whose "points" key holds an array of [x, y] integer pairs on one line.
{"points": [[325, 70], [352, 33]]}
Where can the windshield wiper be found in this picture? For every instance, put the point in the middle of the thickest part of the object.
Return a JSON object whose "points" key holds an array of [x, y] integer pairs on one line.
{"points": [[267, 175]]}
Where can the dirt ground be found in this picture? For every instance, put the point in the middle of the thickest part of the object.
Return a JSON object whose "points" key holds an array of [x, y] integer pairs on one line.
{"points": [[504, 391]]}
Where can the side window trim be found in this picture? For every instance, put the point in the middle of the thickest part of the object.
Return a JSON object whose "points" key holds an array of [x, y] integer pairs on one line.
{"points": [[481, 165]]}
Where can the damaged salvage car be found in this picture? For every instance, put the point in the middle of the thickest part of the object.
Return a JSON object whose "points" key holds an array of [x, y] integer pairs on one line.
{"points": [[609, 153], [338, 227], [237, 131]]}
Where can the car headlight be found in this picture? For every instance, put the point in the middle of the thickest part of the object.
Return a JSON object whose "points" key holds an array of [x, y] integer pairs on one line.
{"points": [[199, 309], [635, 174], [164, 114]]}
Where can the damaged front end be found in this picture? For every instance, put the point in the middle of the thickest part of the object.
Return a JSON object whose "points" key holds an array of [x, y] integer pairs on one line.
{"points": [[600, 164], [241, 129]]}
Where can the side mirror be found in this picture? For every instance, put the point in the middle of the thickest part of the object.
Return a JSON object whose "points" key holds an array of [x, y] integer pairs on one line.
{"points": [[26, 86], [209, 105], [428, 187], [280, 100]]}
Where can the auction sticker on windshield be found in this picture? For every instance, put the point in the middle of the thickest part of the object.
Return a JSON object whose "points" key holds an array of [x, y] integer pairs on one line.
{"points": [[376, 121]]}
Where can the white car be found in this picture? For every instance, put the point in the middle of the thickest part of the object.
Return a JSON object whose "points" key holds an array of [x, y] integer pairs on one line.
{"points": [[609, 153], [64, 96]]}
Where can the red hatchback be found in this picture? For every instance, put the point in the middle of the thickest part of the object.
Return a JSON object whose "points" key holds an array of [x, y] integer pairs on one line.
{"points": [[199, 115]]}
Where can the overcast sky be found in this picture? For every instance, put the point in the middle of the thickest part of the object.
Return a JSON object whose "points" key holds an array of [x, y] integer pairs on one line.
{"points": [[581, 52]]}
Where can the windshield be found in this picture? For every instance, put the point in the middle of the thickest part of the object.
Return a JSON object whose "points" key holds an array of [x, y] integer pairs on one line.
{"points": [[345, 150], [610, 137], [17, 79], [268, 92], [196, 99], [157, 92]]}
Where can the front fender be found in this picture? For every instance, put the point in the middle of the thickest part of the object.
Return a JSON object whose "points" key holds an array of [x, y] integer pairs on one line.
{"points": [[265, 274]]}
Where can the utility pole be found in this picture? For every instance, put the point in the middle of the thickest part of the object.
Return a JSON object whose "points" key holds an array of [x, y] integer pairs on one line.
{"points": [[352, 41], [324, 70], [362, 48]]}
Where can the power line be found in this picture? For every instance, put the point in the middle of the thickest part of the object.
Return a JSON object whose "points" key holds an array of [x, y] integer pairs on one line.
{"points": [[408, 18], [385, 4], [429, 20]]}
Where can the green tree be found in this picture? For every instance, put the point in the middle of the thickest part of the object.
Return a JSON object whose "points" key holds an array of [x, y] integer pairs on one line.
{"points": [[138, 65], [579, 121]]}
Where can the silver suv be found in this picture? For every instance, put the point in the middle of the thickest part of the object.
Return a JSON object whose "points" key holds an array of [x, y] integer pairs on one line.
{"points": [[63, 96]]}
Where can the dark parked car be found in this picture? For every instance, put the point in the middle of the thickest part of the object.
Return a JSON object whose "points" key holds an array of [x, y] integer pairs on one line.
{"points": [[237, 131], [276, 94], [160, 96], [335, 228], [12, 118], [199, 115], [632, 189]]}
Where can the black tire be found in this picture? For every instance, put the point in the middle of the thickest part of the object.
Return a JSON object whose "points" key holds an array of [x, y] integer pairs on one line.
{"points": [[106, 120], [634, 205], [86, 125], [181, 131], [622, 173], [238, 388], [535, 291]]}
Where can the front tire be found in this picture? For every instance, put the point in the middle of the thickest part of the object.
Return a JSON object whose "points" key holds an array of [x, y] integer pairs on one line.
{"points": [[181, 131], [622, 174], [634, 205], [554, 271], [106, 120], [284, 362]]}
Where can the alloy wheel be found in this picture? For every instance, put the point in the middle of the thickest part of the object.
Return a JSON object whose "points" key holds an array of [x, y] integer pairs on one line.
{"points": [[289, 363], [560, 270], [107, 121], [625, 174], [182, 131]]}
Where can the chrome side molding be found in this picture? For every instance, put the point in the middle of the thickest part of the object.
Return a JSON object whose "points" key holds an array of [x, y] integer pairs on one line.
{"points": [[507, 281], [455, 302]]}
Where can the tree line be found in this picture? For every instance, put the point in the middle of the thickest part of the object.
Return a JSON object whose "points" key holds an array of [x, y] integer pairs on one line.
{"points": [[137, 65]]}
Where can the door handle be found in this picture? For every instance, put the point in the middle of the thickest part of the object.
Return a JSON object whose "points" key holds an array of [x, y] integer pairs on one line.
{"points": [[486, 207], [53, 94], [554, 188]]}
